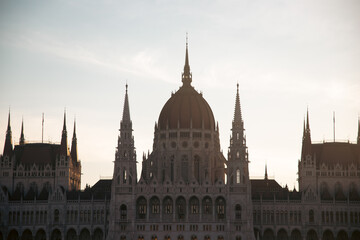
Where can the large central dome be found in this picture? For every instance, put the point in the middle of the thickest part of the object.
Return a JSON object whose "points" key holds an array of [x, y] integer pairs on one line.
{"points": [[186, 108]]}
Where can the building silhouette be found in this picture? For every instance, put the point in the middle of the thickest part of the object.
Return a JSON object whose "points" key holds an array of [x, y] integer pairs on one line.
{"points": [[187, 188]]}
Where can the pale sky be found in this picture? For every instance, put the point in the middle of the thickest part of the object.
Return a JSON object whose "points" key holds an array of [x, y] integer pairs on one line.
{"points": [[285, 55]]}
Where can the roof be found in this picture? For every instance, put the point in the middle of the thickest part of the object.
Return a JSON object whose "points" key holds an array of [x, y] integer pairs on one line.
{"points": [[265, 185], [336, 152], [187, 108], [38, 153]]}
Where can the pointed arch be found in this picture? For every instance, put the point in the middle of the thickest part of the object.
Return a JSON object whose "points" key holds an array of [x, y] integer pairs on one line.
{"points": [[238, 177]]}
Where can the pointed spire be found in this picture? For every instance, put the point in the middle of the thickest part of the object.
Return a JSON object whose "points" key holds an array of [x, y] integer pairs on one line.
{"points": [[307, 119], [306, 144], [186, 76], [74, 155], [237, 112], [266, 173], [8, 147], [22, 138], [64, 146], [126, 110], [358, 136]]}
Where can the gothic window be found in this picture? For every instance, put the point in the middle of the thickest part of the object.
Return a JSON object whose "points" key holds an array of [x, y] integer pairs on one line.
{"points": [[311, 216], [237, 154], [33, 187], [220, 208], [238, 212], [180, 237], [141, 207], [155, 205], [184, 168], [194, 205], [20, 187], [124, 175], [207, 205], [237, 175], [123, 212], [197, 168], [172, 168], [180, 208], [237, 136], [56, 215], [168, 205]]}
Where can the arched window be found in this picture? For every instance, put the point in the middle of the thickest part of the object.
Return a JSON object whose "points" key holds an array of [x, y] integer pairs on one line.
{"points": [[56, 215], [207, 205], [123, 212], [122, 237], [172, 168], [220, 208], [20, 187], [154, 237], [180, 208], [193, 237], [180, 237], [168, 205], [207, 237], [237, 175], [33, 187], [184, 168], [311, 216], [238, 212], [155, 205], [197, 168], [194, 205], [124, 175], [141, 207]]}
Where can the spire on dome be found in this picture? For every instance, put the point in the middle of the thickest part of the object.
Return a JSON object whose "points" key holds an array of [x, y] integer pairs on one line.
{"points": [[186, 76], [8, 147], [22, 138], [64, 145], [74, 155]]}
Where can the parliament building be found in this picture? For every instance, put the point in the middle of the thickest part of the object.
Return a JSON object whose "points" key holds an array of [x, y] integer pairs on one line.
{"points": [[187, 190]]}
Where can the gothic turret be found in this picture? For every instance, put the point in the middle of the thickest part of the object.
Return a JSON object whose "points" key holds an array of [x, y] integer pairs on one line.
{"points": [[126, 155], [8, 146], [238, 156], [64, 145], [306, 141], [358, 136], [74, 154], [22, 138]]}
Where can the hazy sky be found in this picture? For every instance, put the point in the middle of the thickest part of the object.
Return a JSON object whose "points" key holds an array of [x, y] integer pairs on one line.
{"points": [[286, 55]]}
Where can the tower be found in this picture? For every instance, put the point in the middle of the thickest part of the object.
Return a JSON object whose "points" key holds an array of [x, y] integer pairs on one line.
{"points": [[8, 146], [75, 165], [238, 155], [307, 164], [124, 177], [238, 175]]}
